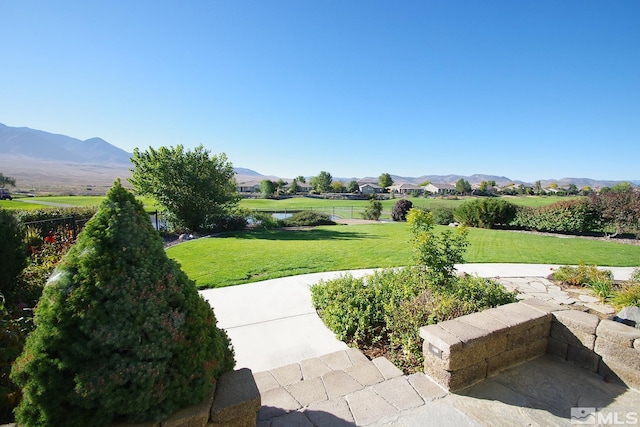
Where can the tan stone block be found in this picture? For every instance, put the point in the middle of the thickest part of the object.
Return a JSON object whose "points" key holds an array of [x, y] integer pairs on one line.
{"points": [[618, 332], [618, 354], [575, 337], [438, 374], [237, 397], [192, 416], [615, 370], [468, 334], [386, 368], [517, 314], [543, 306], [265, 381], [506, 360], [466, 377], [312, 368], [287, 375], [539, 331], [484, 321], [440, 339], [557, 348], [576, 320], [537, 348], [583, 358], [517, 340]]}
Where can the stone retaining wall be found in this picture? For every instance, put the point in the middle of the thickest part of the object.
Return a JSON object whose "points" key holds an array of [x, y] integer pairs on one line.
{"points": [[463, 351]]}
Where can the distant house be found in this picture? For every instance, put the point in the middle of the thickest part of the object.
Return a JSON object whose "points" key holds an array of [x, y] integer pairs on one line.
{"points": [[441, 189], [248, 186], [405, 188], [370, 188]]}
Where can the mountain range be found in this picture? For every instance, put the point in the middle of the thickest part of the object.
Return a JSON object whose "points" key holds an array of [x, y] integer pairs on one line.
{"points": [[39, 159]]}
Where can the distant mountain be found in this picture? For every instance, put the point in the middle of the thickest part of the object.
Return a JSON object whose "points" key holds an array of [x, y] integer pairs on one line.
{"points": [[41, 145], [246, 172], [582, 182]]}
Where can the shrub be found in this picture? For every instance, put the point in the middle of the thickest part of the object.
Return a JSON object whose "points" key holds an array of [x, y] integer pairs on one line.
{"points": [[263, 220], [14, 328], [438, 254], [627, 296], [571, 216], [400, 210], [373, 211], [121, 332], [485, 213], [582, 275], [442, 215], [13, 254], [307, 219]]}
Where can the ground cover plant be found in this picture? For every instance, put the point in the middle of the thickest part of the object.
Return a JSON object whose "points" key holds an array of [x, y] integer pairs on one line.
{"points": [[249, 256], [121, 333], [602, 284]]}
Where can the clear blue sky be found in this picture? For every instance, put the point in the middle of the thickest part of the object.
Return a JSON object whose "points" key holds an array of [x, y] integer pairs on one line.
{"points": [[525, 89]]}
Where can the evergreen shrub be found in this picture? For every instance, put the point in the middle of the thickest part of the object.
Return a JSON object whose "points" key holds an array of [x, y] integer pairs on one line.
{"points": [[121, 332], [307, 219], [400, 210], [485, 213], [13, 254]]}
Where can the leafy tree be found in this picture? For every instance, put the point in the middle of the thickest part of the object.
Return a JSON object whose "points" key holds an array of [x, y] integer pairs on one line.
{"points": [[195, 188], [483, 186], [337, 187], [553, 185], [622, 187], [385, 180], [424, 183], [373, 211], [492, 183], [267, 187], [619, 208], [121, 332], [537, 187], [13, 254], [400, 210], [301, 178], [322, 182], [438, 254], [7, 180], [293, 189], [572, 189], [280, 184], [353, 186], [463, 186], [485, 212]]}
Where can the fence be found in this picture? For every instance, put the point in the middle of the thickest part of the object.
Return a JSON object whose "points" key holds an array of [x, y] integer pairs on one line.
{"points": [[64, 229]]}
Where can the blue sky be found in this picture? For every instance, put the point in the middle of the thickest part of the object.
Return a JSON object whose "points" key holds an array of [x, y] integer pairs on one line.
{"points": [[524, 89]]}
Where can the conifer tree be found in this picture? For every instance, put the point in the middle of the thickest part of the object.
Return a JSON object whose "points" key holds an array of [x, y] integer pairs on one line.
{"points": [[121, 332]]}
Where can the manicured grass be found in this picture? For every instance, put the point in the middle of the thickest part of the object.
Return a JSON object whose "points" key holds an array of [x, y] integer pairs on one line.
{"points": [[251, 256], [17, 204]]}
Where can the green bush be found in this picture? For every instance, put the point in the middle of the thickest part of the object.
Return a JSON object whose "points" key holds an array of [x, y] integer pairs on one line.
{"points": [[485, 213], [264, 220], [121, 332], [443, 215], [627, 296], [373, 211], [13, 254], [581, 275], [14, 328], [391, 305], [307, 219], [571, 216]]}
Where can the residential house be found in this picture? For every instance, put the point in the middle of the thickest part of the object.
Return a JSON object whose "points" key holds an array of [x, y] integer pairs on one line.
{"points": [[368, 188], [405, 188], [442, 189]]}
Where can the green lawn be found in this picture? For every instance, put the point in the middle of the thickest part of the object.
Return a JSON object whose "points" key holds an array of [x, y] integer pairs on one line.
{"points": [[244, 257]]}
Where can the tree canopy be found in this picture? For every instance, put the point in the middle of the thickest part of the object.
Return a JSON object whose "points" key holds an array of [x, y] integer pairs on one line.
{"points": [[322, 182], [7, 180], [195, 188], [385, 180]]}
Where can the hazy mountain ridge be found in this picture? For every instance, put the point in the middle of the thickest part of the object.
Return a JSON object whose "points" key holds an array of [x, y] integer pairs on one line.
{"points": [[41, 145], [32, 156]]}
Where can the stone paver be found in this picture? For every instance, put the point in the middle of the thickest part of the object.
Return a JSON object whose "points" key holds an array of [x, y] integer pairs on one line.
{"points": [[367, 406], [339, 383], [399, 393]]}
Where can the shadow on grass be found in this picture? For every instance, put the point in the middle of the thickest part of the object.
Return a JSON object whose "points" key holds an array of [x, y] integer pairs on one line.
{"points": [[302, 234]]}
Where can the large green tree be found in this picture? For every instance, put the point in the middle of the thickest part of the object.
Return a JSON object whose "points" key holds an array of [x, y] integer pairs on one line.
{"points": [[322, 182], [267, 187], [385, 180], [463, 186], [195, 188]]}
